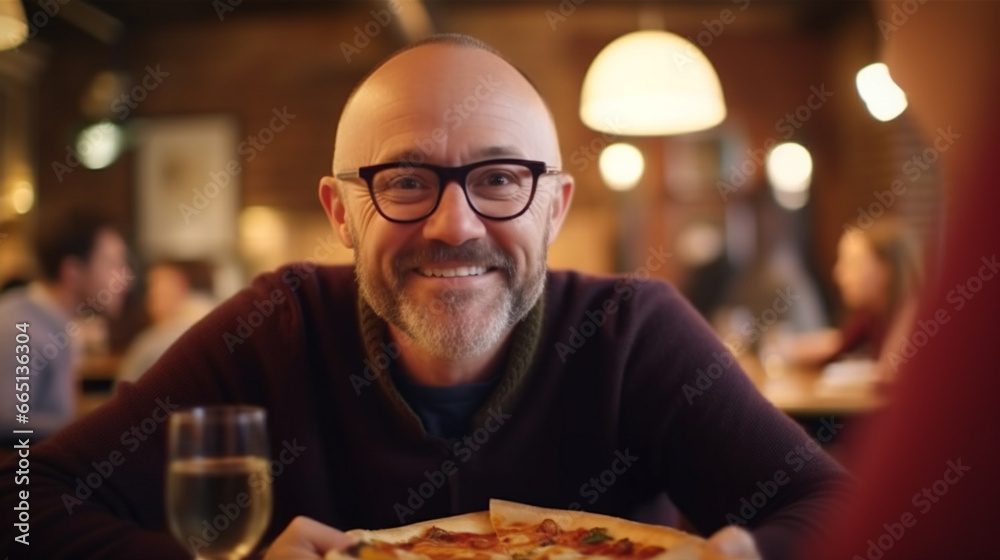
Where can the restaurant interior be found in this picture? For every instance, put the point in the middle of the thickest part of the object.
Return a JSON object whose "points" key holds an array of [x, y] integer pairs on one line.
{"points": [[785, 132]]}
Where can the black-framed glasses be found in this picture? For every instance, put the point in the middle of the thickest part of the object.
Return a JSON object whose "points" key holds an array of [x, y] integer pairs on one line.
{"points": [[498, 189]]}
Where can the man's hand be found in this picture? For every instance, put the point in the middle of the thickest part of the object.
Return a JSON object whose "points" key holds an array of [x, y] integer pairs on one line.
{"points": [[732, 543], [306, 539]]}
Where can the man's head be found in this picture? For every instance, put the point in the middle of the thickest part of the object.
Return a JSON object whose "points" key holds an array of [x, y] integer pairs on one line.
{"points": [[171, 283], [449, 101], [82, 255], [877, 267]]}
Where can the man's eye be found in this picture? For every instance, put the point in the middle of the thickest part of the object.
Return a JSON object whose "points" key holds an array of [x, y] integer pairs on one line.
{"points": [[499, 179], [496, 179], [406, 183]]}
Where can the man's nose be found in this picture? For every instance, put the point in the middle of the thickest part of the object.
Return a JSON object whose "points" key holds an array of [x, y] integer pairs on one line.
{"points": [[454, 222]]}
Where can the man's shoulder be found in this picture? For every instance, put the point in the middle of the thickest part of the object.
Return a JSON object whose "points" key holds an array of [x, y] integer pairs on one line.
{"points": [[571, 286], [630, 303], [15, 298], [17, 305], [307, 278], [593, 317], [625, 306], [13, 307]]}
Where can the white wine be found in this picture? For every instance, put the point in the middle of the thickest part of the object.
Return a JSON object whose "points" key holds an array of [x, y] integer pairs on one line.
{"points": [[218, 508]]}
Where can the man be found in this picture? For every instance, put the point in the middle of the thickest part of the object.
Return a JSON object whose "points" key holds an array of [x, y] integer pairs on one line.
{"points": [[448, 367], [82, 259]]}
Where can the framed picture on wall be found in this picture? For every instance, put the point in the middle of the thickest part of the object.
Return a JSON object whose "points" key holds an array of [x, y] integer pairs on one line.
{"points": [[188, 187], [708, 166]]}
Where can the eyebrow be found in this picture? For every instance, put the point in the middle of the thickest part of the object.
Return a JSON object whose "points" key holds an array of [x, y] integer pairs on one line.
{"points": [[483, 153], [498, 151]]}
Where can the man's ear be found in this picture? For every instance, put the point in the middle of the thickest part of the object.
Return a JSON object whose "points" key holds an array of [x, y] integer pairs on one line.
{"points": [[560, 205], [333, 204]]}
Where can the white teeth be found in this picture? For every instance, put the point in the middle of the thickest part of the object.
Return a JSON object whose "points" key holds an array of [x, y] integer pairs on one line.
{"points": [[453, 272]]}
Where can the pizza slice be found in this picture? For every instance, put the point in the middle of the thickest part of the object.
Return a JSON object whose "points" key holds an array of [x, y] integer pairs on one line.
{"points": [[534, 533], [462, 537], [512, 531]]}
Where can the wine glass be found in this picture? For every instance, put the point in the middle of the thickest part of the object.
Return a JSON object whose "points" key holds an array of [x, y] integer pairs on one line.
{"points": [[218, 491]]}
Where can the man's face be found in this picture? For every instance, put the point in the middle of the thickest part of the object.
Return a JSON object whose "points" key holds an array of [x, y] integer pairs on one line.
{"points": [[168, 290], [105, 277], [454, 283]]}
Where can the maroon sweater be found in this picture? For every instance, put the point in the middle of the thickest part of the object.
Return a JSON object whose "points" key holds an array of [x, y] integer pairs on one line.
{"points": [[624, 398]]}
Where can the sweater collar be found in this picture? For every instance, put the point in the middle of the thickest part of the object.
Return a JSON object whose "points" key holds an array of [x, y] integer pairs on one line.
{"points": [[517, 362]]}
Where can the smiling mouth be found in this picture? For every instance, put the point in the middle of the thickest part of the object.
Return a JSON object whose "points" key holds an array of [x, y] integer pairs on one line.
{"points": [[457, 272]]}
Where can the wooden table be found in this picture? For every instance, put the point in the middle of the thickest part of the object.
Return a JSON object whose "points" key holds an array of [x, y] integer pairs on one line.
{"points": [[798, 391], [96, 378]]}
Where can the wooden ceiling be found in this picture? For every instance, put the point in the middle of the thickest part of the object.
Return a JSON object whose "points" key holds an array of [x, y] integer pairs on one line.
{"points": [[136, 16]]}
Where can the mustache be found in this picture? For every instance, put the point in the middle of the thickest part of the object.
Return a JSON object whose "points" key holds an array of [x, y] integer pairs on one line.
{"points": [[475, 252]]}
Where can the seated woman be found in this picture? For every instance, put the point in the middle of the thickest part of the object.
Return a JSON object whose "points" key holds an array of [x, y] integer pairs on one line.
{"points": [[877, 273], [178, 296]]}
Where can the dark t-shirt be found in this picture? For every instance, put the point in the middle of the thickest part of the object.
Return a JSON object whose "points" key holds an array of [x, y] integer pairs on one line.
{"points": [[444, 411]]}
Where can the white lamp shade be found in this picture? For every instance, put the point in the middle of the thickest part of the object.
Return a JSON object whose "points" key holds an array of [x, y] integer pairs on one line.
{"points": [[13, 25], [651, 83]]}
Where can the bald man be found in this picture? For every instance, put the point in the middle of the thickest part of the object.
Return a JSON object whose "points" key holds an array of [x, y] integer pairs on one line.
{"points": [[447, 366], [467, 265]]}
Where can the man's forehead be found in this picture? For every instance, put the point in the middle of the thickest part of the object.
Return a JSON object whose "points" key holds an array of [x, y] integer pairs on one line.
{"points": [[438, 89]]}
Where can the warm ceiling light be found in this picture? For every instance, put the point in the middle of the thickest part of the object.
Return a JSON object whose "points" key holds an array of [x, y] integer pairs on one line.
{"points": [[13, 25], [651, 83], [23, 197], [99, 144], [789, 169], [262, 232], [621, 166], [884, 99]]}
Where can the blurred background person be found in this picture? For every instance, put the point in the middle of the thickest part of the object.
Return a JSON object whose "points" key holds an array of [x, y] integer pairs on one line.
{"points": [[927, 472], [775, 295], [178, 295], [13, 284], [876, 274], [84, 275]]}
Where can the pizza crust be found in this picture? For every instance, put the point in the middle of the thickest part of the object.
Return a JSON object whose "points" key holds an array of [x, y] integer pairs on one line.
{"points": [[505, 514], [478, 522]]}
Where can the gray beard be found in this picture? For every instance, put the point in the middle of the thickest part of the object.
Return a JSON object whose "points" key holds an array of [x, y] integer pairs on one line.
{"points": [[444, 330]]}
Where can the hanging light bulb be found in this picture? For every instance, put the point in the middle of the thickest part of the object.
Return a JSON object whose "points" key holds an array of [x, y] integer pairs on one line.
{"points": [[885, 100], [99, 144], [789, 169], [651, 83], [621, 166]]}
